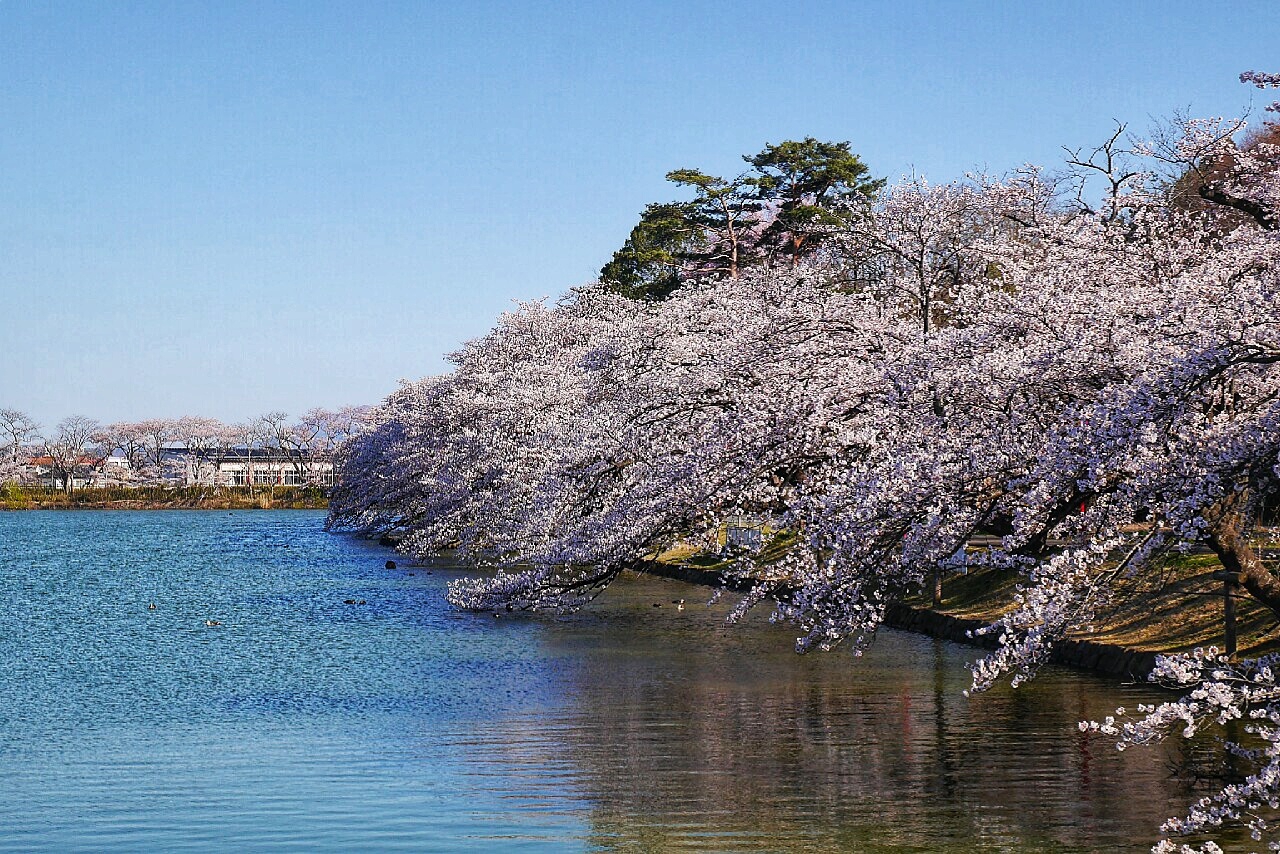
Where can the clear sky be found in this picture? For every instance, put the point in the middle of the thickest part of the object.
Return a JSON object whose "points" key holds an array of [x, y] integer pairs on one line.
{"points": [[224, 209]]}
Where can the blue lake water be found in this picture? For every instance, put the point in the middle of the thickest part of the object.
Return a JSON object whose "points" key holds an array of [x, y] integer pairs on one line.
{"points": [[303, 723]]}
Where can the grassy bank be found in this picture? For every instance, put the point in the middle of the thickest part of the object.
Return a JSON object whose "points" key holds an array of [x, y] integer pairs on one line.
{"points": [[15, 497], [1173, 607]]}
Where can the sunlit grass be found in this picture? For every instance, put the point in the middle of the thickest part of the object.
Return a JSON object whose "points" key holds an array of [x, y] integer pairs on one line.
{"points": [[1173, 606]]}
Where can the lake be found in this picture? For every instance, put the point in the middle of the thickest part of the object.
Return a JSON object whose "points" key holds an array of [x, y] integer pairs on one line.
{"points": [[305, 723]]}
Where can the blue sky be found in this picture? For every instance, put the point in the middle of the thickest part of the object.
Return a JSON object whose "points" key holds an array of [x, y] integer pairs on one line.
{"points": [[225, 209]]}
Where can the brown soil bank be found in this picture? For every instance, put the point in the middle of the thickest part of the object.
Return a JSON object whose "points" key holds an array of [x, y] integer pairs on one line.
{"points": [[14, 497], [1175, 608]]}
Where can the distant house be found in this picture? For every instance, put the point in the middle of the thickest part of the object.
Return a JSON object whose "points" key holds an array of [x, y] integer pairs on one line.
{"points": [[115, 465], [48, 475], [245, 466], [238, 466], [113, 471], [182, 466]]}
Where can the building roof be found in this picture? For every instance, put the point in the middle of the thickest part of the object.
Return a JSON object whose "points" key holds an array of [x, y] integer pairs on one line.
{"points": [[241, 453]]}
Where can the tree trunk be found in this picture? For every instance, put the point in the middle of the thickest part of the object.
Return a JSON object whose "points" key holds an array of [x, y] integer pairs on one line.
{"points": [[1227, 540]]}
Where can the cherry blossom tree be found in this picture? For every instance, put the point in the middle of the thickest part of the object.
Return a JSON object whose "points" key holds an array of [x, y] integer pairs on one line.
{"points": [[1096, 383], [69, 452], [203, 439], [17, 431], [131, 440], [158, 434], [325, 431], [1263, 80]]}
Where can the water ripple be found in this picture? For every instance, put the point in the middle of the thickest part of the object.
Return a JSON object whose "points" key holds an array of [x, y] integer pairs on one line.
{"points": [[302, 722]]}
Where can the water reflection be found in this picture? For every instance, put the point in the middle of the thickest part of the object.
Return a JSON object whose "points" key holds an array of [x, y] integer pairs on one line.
{"points": [[685, 734], [304, 723]]}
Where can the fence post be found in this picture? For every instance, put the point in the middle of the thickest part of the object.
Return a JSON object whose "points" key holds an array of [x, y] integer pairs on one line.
{"points": [[1230, 581]]}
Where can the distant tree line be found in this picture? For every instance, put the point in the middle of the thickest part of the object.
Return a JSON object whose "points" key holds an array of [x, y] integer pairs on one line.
{"points": [[157, 451]]}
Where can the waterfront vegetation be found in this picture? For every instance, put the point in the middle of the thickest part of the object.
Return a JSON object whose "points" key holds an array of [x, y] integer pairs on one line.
{"points": [[1064, 386], [14, 496]]}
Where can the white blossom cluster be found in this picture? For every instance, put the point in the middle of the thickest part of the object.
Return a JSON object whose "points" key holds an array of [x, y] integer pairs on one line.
{"points": [[1095, 384], [1263, 80], [1218, 691]]}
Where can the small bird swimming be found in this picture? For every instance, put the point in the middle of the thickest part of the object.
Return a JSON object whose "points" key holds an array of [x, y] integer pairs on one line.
{"points": [[212, 623], [151, 607]]}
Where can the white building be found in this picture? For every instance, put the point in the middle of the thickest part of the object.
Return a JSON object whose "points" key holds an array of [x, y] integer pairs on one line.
{"points": [[245, 466]]}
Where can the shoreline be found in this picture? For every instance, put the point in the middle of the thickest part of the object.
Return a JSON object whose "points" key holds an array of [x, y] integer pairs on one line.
{"points": [[1127, 662], [158, 505], [17, 498], [1176, 616]]}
